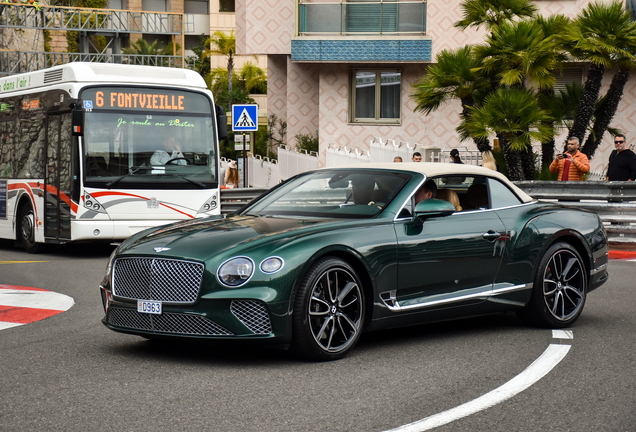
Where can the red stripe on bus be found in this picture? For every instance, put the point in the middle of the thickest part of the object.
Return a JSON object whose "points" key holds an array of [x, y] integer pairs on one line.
{"points": [[101, 194], [15, 287], [22, 315]]}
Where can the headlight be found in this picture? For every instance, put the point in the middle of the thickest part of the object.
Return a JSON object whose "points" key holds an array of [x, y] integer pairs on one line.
{"points": [[272, 264], [235, 271]]}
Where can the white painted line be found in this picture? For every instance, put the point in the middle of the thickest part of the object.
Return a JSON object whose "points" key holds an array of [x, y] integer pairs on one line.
{"points": [[533, 373], [562, 334], [35, 299], [6, 325]]}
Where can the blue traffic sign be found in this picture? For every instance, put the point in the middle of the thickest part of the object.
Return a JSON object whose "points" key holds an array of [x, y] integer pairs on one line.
{"points": [[244, 118]]}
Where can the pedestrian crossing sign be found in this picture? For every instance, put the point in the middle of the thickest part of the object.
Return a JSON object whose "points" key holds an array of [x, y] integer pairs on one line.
{"points": [[244, 118]]}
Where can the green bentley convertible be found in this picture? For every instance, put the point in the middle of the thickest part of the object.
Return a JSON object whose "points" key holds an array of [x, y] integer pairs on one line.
{"points": [[331, 253]]}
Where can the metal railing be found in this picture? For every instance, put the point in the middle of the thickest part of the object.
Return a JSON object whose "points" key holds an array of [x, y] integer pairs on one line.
{"points": [[395, 17], [234, 199], [92, 20], [614, 202], [14, 62]]}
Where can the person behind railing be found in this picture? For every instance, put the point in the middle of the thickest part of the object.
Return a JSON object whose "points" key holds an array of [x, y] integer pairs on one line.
{"points": [[488, 160], [622, 162], [572, 164], [397, 159], [454, 153], [417, 157], [231, 175]]}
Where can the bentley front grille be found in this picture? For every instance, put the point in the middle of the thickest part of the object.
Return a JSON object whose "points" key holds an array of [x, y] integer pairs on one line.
{"points": [[165, 280], [169, 323], [253, 315]]}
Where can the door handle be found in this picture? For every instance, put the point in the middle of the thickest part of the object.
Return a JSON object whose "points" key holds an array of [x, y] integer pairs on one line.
{"points": [[492, 236]]}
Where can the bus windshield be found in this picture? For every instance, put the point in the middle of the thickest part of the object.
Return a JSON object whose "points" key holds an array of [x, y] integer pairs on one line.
{"points": [[148, 139]]}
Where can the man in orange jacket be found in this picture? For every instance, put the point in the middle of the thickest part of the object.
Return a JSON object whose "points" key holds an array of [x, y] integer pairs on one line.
{"points": [[572, 164]]}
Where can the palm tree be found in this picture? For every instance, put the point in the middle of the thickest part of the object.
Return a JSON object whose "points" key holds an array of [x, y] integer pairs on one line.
{"points": [[451, 77], [252, 78], [222, 44], [514, 114], [493, 13], [518, 54], [601, 34]]}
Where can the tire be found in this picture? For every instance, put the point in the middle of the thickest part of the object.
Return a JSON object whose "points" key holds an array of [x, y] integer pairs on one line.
{"points": [[560, 289], [329, 310], [27, 230]]}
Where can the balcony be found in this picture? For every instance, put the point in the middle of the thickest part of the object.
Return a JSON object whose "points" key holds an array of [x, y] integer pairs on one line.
{"points": [[367, 30]]}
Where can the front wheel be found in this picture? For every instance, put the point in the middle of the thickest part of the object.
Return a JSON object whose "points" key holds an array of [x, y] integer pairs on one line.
{"points": [[560, 289], [27, 230], [329, 311]]}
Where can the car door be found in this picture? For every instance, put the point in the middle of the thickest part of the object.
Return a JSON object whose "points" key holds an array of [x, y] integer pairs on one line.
{"points": [[449, 260]]}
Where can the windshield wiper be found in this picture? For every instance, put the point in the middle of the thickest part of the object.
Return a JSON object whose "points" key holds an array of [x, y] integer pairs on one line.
{"points": [[198, 183], [134, 170]]}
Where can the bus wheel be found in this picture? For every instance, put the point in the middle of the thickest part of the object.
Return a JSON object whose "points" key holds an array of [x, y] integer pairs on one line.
{"points": [[27, 229]]}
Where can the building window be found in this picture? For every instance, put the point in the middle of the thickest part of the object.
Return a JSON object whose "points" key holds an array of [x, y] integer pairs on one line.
{"points": [[227, 6], [375, 96]]}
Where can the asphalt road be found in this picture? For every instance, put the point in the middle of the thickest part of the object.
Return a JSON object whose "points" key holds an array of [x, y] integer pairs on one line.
{"points": [[68, 372]]}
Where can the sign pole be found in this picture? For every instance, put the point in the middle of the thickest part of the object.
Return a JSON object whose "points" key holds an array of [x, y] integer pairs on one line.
{"points": [[245, 184]]}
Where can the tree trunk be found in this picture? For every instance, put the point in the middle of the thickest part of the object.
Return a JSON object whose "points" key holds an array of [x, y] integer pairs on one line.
{"points": [[547, 153], [606, 113], [527, 163], [513, 161], [586, 107]]}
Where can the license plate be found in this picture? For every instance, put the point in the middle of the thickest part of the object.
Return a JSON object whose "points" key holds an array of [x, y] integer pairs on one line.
{"points": [[149, 307]]}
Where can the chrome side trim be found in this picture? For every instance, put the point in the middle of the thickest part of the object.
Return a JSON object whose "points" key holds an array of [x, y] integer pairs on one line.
{"points": [[598, 269], [391, 302], [513, 288], [394, 305]]}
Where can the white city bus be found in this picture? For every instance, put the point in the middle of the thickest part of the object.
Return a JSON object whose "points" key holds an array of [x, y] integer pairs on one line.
{"points": [[76, 143]]}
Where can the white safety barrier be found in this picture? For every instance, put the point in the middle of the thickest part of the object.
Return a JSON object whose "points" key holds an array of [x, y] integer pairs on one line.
{"points": [[387, 151], [262, 172], [340, 155], [292, 162]]}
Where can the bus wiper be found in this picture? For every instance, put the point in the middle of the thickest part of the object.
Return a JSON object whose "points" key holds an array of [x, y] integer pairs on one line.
{"points": [[198, 183], [135, 169]]}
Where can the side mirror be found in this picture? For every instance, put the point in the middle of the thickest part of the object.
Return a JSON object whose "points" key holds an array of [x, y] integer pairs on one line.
{"points": [[221, 123], [77, 117], [433, 208]]}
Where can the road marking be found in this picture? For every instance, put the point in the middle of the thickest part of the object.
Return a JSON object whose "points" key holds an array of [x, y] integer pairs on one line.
{"points": [[21, 262], [562, 334], [22, 305], [533, 373]]}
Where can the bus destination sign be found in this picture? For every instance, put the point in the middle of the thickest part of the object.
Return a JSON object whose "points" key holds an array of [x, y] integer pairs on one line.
{"points": [[142, 99]]}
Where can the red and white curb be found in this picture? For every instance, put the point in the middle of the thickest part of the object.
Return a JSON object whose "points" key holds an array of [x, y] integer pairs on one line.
{"points": [[22, 305]]}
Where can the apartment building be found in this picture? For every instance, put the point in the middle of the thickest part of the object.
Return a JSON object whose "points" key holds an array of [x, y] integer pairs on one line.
{"points": [[350, 79]]}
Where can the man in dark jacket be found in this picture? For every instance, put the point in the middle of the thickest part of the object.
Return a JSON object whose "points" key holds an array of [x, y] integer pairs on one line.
{"points": [[622, 162]]}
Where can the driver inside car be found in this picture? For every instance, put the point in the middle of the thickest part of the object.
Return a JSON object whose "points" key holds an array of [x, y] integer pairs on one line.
{"points": [[171, 151]]}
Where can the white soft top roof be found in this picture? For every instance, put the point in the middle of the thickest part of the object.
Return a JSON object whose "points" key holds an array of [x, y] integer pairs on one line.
{"points": [[436, 169]]}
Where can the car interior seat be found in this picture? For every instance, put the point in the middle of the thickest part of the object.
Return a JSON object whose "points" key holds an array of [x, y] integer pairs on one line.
{"points": [[476, 197], [450, 196]]}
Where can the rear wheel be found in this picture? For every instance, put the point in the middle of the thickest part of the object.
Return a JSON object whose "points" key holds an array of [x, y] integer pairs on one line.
{"points": [[27, 229], [328, 311], [560, 289]]}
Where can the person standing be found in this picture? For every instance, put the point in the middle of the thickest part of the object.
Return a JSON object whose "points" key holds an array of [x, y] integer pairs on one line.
{"points": [[622, 162], [454, 153], [572, 164], [417, 157], [232, 175]]}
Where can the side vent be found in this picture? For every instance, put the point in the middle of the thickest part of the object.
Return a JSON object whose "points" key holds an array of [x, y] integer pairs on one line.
{"points": [[53, 76]]}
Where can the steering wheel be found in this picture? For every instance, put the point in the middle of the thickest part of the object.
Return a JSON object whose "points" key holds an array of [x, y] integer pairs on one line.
{"points": [[176, 159]]}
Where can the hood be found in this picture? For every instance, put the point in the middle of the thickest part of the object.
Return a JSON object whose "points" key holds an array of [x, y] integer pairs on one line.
{"points": [[204, 238]]}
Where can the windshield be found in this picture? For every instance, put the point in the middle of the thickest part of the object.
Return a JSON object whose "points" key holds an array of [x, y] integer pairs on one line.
{"points": [[341, 193], [149, 139]]}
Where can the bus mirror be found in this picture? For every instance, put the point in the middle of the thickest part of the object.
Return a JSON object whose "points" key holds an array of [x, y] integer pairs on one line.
{"points": [[78, 120], [221, 123]]}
